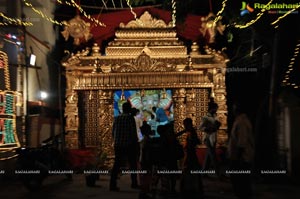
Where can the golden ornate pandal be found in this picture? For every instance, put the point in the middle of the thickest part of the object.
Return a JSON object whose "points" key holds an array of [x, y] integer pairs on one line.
{"points": [[145, 54]]}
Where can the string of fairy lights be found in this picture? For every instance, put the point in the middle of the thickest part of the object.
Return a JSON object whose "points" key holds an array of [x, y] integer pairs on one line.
{"points": [[287, 81], [7, 124], [4, 63], [283, 16], [72, 3], [131, 9], [173, 13], [8, 139], [43, 15], [220, 12], [253, 21], [8, 102], [12, 21]]}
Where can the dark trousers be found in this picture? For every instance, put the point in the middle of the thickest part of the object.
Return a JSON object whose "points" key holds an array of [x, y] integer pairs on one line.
{"points": [[210, 157], [122, 156]]}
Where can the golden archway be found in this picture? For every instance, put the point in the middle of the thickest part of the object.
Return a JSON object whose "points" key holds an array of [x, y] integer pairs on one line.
{"points": [[145, 54]]}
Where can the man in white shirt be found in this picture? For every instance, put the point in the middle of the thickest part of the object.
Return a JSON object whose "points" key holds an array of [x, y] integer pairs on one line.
{"points": [[139, 122], [210, 126]]}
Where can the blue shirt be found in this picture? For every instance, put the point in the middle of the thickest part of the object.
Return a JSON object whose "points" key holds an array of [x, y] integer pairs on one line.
{"points": [[161, 115]]}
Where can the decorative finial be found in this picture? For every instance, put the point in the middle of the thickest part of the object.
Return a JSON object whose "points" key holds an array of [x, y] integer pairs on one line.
{"points": [[95, 49]]}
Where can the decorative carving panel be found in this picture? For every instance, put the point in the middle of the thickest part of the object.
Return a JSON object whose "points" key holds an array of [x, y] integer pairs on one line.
{"points": [[146, 21], [105, 115], [179, 99], [132, 80], [90, 123], [201, 104]]}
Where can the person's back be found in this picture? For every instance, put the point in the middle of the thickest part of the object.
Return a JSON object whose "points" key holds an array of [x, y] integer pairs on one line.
{"points": [[152, 122], [149, 161], [210, 125], [241, 138], [170, 145], [191, 184], [146, 159], [241, 152], [190, 144], [125, 145], [124, 124]]}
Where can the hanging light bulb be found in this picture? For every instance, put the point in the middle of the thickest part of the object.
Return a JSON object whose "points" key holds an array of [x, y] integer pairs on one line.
{"points": [[143, 93], [189, 66], [212, 94], [138, 93], [193, 93], [90, 95], [19, 99], [72, 98], [123, 98], [163, 94]]}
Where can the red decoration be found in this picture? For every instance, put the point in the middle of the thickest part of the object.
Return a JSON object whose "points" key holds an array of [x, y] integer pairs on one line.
{"points": [[189, 30], [81, 158]]}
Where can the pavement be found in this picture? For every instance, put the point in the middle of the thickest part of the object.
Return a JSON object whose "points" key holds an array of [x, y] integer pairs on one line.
{"points": [[58, 187]]}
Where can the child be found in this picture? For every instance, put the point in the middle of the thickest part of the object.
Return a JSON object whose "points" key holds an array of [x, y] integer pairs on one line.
{"points": [[149, 151]]}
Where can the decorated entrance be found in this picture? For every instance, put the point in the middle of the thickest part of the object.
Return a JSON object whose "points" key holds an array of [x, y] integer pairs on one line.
{"points": [[148, 65]]}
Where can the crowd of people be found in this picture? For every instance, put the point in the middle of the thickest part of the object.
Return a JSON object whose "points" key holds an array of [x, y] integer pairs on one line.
{"points": [[156, 150]]}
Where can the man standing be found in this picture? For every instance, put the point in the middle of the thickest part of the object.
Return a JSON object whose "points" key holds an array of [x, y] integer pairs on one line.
{"points": [[136, 113], [210, 125], [241, 153], [125, 146]]}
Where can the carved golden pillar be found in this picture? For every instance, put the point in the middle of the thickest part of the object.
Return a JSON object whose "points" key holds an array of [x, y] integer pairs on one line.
{"points": [[191, 104], [89, 124], [201, 104], [220, 99], [106, 117], [71, 112], [179, 99]]}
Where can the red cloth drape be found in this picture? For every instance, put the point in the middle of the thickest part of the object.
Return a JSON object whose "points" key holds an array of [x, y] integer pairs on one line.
{"points": [[81, 158], [189, 30]]}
